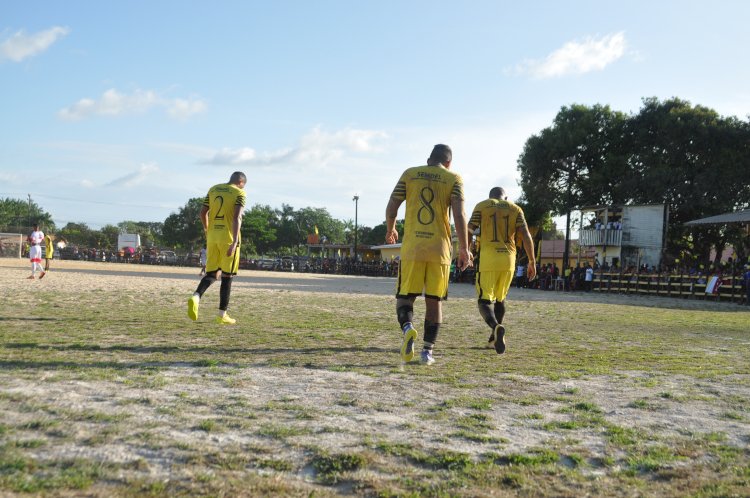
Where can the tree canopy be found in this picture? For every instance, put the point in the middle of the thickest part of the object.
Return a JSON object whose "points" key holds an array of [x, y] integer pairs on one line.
{"points": [[687, 157]]}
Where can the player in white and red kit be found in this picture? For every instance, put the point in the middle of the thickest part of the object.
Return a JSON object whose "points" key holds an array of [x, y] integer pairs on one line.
{"points": [[35, 252]]}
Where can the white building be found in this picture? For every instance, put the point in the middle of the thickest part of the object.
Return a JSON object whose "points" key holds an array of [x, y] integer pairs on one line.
{"points": [[624, 236]]}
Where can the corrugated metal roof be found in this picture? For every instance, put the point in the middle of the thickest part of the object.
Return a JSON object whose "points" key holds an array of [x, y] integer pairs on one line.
{"points": [[736, 217]]}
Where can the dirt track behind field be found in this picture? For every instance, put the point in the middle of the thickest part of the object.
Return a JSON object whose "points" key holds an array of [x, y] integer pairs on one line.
{"points": [[142, 278]]}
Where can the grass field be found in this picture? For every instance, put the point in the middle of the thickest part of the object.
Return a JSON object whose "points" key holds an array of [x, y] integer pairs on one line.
{"points": [[108, 389]]}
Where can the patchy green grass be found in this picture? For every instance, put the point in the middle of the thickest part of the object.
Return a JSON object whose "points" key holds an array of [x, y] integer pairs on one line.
{"points": [[307, 395]]}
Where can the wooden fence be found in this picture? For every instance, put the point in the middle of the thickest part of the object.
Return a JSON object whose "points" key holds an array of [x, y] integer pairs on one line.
{"points": [[686, 286]]}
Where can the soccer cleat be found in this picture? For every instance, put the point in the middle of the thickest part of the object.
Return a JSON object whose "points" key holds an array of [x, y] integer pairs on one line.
{"points": [[193, 304], [500, 342], [407, 347], [426, 357], [491, 341], [30, 277], [41, 276], [225, 320]]}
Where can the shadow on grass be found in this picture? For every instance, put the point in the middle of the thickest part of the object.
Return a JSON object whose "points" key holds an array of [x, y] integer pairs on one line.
{"points": [[197, 363], [208, 349], [30, 319]]}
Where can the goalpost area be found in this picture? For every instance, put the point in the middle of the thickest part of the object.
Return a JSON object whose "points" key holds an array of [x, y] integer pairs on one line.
{"points": [[11, 245]]}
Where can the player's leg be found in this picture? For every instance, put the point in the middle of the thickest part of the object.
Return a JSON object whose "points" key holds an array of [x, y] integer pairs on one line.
{"points": [[212, 261], [195, 300], [409, 284], [484, 284], [433, 318], [501, 291], [229, 267], [436, 290]]}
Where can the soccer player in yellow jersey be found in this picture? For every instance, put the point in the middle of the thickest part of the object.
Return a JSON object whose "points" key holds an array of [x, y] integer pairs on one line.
{"points": [[221, 216], [430, 192], [499, 221], [49, 253]]}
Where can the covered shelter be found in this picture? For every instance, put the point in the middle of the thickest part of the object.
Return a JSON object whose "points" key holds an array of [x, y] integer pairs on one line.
{"points": [[722, 219]]}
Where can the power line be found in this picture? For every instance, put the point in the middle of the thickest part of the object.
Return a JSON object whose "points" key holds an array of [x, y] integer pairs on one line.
{"points": [[119, 204]]}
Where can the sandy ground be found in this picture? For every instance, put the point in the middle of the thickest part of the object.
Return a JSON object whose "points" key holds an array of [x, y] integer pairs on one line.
{"points": [[93, 275], [380, 411]]}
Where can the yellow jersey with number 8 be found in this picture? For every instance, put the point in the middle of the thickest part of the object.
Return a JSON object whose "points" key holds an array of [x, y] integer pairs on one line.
{"points": [[428, 191], [221, 201]]}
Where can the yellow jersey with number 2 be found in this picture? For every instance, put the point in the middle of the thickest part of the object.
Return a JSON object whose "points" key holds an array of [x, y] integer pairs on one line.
{"points": [[428, 191], [221, 201]]}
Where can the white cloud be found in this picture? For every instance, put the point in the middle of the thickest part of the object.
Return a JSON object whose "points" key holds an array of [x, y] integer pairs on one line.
{"points": [[114, 103], [21, 46], [87, 183], [593, 54], [184, 108], [135, 178], [317, 147]]}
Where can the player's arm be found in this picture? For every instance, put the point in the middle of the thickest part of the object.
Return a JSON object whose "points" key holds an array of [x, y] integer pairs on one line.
{"points": [[236, 223], [391, 211], [204, 217], [475, 220], [528, 246], [465, 258]]}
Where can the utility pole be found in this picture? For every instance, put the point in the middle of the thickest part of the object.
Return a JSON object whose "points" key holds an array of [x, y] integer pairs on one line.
{"points": [[356, 203], [30, 210]]}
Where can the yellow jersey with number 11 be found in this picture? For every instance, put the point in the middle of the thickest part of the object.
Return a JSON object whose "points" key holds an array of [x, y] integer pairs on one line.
{"points": [[428, 191], [497, 221], [221, 201]]}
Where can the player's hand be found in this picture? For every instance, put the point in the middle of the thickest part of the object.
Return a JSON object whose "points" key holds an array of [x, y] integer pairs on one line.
{"points": [[531, 271], [232, 248], [465, 259], [391, 237]]}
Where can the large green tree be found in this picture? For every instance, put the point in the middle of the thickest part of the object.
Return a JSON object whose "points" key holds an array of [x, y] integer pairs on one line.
{"points": [[259, 225], [687, 157], [183, 229], [575, 162], [693, 160], [17, 215]]}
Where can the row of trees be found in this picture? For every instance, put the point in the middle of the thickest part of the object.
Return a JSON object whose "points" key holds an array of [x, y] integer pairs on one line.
{"points": [[670, 152], [265, 230]]}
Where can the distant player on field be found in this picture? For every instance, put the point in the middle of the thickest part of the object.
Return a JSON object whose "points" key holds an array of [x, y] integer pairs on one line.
{"points": [[498, 220], [430, 192], [221, 216], [36, 237], [49, 251]]}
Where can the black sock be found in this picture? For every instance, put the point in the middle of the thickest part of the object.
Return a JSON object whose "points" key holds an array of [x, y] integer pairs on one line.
{"points": [[205, 283], [430, 333], [499, 311], [486, 312], [405, 314], [224, 292]]}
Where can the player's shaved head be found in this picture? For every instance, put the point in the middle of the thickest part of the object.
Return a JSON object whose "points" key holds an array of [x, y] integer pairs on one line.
{"points": [[498, 193], [441, 154], [237, 178]]}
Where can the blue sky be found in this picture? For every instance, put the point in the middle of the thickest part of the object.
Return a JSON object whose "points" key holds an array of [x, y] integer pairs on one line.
{"points": [[125, 110]]}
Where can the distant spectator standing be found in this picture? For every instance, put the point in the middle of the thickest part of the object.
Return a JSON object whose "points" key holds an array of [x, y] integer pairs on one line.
{"points": [[589, 278], [202, 260], [747, 285], [36, 237], [519, 276]]}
